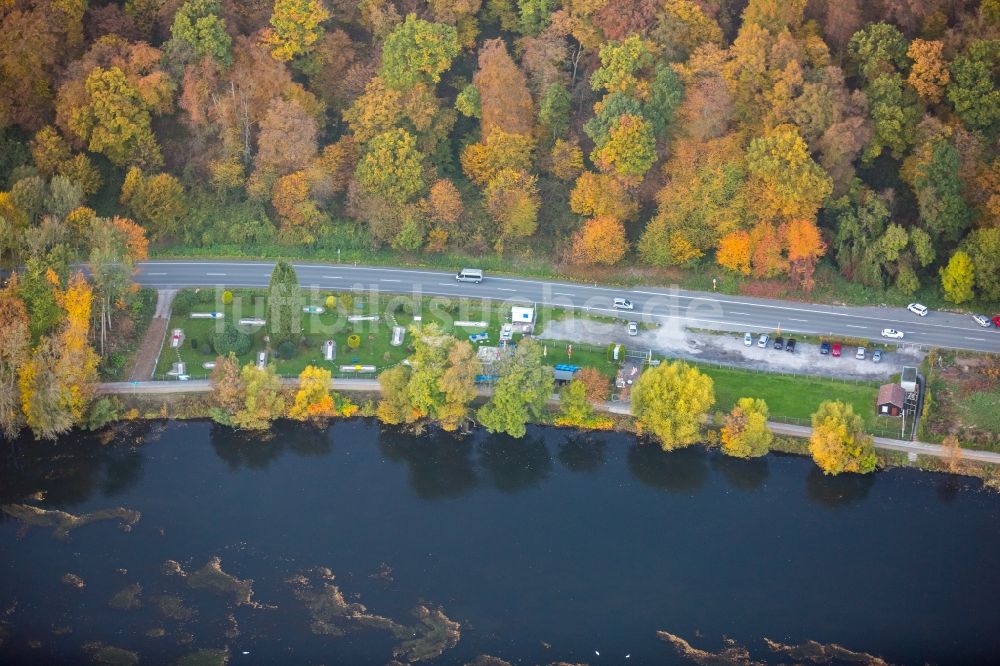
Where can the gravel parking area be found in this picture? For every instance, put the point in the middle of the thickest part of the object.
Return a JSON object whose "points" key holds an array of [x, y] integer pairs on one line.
{"points": [[674, 341]]}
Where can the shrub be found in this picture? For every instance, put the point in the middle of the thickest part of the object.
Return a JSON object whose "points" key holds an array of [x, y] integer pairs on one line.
{"points": [[229, 339], [354, 341], [286, 350], [347, 301], [227, 297], [194, 343], [331, 302], [184, 302]]}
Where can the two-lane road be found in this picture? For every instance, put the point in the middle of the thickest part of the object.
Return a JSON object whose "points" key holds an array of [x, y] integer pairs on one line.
{"points": [[661, 305]]}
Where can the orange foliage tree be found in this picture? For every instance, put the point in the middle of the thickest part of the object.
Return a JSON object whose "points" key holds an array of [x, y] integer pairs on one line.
{"points": [[805, 246], [600, 241], [734, 252]]}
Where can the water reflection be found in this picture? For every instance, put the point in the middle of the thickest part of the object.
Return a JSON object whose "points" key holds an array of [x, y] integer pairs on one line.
{"points": [[582, 452], [440, 463], [71, 470], [749, 475], [515, 464], [836, 491], [682, 471], [245, 449]]}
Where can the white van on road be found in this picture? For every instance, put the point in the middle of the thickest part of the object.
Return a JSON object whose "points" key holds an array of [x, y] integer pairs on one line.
{"points": [[470, 275], [623, 304]]}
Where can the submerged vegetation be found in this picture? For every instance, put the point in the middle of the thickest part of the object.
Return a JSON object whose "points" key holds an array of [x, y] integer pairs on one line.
{"points": [[62, 522]]}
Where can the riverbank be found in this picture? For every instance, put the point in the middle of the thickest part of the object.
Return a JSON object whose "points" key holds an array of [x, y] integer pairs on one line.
{"points": [[186, 401]]}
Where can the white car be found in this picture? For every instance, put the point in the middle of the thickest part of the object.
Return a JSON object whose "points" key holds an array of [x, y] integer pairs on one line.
{"points": [[762, 342], [917, 309], [748, 339], [982, 320], [633, 328], [623, 304], [892, 333], [861, 354]]}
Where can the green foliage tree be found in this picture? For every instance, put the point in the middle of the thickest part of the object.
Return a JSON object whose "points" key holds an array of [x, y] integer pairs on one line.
{"points": [[262, 398], [983, 248], [879, 48], [974, 91], [468, 102], [158, 202], [554, 110], [437, 385], [535, 15], [418, 51], [200, 30], [943, 211], [630, 150], [670, 401], [746, 433], [895, 112], [284, 304], [392, 167], [958, 278], [525, 385], [838, 442]]}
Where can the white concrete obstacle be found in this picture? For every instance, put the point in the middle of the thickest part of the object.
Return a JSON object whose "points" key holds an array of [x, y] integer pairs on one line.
{"points": [[313, 309], [471, 324], [398, 333], [357, 368], [252, 321], [208, 365], [329, 350], [363, 318], [208, 315], [179, 368]]}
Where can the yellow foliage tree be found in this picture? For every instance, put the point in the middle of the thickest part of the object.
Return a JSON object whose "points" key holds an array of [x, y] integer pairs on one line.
{"points": [[670, 402], [838, 442]]}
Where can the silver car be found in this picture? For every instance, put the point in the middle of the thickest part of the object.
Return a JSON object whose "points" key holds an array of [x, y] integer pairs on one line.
{"points": [[982, 320]]}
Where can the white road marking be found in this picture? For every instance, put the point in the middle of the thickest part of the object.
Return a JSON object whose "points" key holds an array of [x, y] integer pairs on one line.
{"points": [[804, 321], [560, 293], [332, 277], [445, 284], [388, 280], [977, 339], [744, 314], [215, 274], [853, 326], [154, 273], [505, 289]]}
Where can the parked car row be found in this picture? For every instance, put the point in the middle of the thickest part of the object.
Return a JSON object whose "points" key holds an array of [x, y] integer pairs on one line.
{"points": [[836, 350], [764, 339]]}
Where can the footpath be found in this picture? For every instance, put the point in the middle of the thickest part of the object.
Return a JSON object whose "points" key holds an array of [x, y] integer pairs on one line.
{"points": [[623, 408], [148, 353]]}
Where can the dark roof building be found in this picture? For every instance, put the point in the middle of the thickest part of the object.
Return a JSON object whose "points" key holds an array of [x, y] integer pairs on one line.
{"points": [[891, 398]]}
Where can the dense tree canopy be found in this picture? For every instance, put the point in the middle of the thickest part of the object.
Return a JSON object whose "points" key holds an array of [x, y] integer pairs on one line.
{"points": [[764, 140]]}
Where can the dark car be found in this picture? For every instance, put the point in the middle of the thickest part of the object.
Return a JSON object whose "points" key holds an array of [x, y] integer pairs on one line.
{"points": [[790, 345], [824, 348], [779, 343]]}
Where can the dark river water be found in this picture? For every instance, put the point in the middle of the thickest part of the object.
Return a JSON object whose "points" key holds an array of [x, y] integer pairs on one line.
{"points": [[552, 548]]}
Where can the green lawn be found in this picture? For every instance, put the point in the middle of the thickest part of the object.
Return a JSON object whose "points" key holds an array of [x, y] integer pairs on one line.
{"points": [[791, 397]]}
